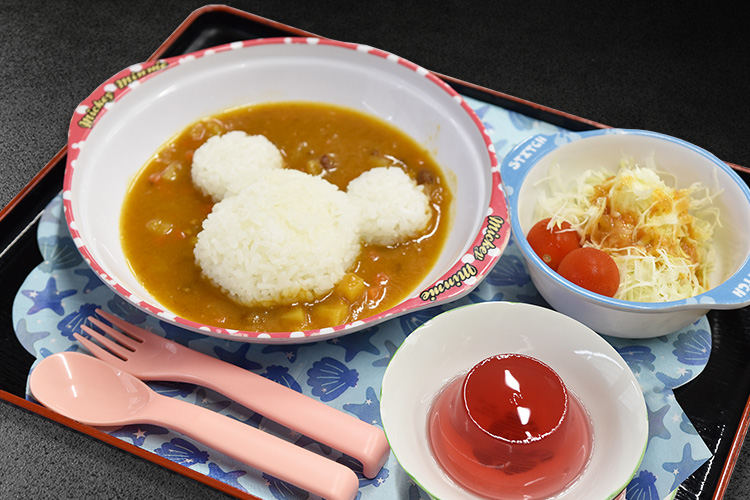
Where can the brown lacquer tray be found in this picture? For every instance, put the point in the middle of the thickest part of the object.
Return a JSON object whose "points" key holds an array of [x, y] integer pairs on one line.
{"points": [[716, 402]]}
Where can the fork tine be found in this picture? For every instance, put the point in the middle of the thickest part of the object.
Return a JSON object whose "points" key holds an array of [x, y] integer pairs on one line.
{"points": [[106, 343], [97, 351], [128, 342], [132, 330]]}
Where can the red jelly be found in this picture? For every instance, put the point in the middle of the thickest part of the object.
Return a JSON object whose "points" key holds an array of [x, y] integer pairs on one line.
{"points": [[510, 430]]}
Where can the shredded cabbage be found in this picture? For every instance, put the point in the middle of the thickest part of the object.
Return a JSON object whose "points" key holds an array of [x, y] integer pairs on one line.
{"points": [[659, 236]]}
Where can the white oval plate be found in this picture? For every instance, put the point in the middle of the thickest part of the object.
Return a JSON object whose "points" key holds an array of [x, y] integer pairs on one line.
{"points": [[453, 342]]}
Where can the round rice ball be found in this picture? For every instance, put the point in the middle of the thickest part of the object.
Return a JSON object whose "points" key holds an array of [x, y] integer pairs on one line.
{"points": [[284, 238], [225, 164], [394, 207]]}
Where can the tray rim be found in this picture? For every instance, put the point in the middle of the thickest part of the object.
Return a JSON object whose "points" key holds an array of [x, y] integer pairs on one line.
{"points": [[123, 445], [737, 440]]}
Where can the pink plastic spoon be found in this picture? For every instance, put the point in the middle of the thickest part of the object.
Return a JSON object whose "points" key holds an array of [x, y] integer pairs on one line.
{"points": [[95, 393]]}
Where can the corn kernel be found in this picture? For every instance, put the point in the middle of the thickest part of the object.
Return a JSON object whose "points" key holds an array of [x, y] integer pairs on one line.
{"points": [[313, 167]]}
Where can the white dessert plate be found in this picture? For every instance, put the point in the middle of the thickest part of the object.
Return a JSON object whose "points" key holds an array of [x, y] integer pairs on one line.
{"points": [[452, 342]]}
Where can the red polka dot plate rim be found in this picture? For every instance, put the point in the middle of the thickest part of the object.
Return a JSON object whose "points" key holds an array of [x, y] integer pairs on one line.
{"points": [[127, 118]]}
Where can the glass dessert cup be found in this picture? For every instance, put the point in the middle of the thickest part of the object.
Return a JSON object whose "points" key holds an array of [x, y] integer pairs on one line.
{"points": [[510, 429]]}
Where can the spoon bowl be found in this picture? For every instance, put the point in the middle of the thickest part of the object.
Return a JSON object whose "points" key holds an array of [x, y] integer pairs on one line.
{"points": [[77, 386], [95, 393]]}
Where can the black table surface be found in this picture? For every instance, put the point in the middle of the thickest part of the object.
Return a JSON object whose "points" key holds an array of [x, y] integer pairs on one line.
{"points": [[679, 70]]}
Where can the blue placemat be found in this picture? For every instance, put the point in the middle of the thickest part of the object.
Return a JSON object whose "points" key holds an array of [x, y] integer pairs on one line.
{"points": [[346, 372]]}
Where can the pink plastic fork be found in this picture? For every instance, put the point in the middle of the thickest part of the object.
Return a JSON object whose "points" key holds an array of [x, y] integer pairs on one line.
{"points": [[151, 357]]}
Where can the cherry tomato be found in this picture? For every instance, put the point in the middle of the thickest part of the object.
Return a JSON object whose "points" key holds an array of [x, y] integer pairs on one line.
{"points": [[551, 245], [591, 269]]}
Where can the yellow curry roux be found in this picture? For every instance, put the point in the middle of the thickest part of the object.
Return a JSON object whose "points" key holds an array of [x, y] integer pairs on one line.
{"points": [[163, 213]]}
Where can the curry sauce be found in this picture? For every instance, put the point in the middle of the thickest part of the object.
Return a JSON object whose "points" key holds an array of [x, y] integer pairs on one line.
{"points": [[163, 212]]}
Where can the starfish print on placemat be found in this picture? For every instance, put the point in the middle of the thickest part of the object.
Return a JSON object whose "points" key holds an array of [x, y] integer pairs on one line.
{"points": [[49, 298]]}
